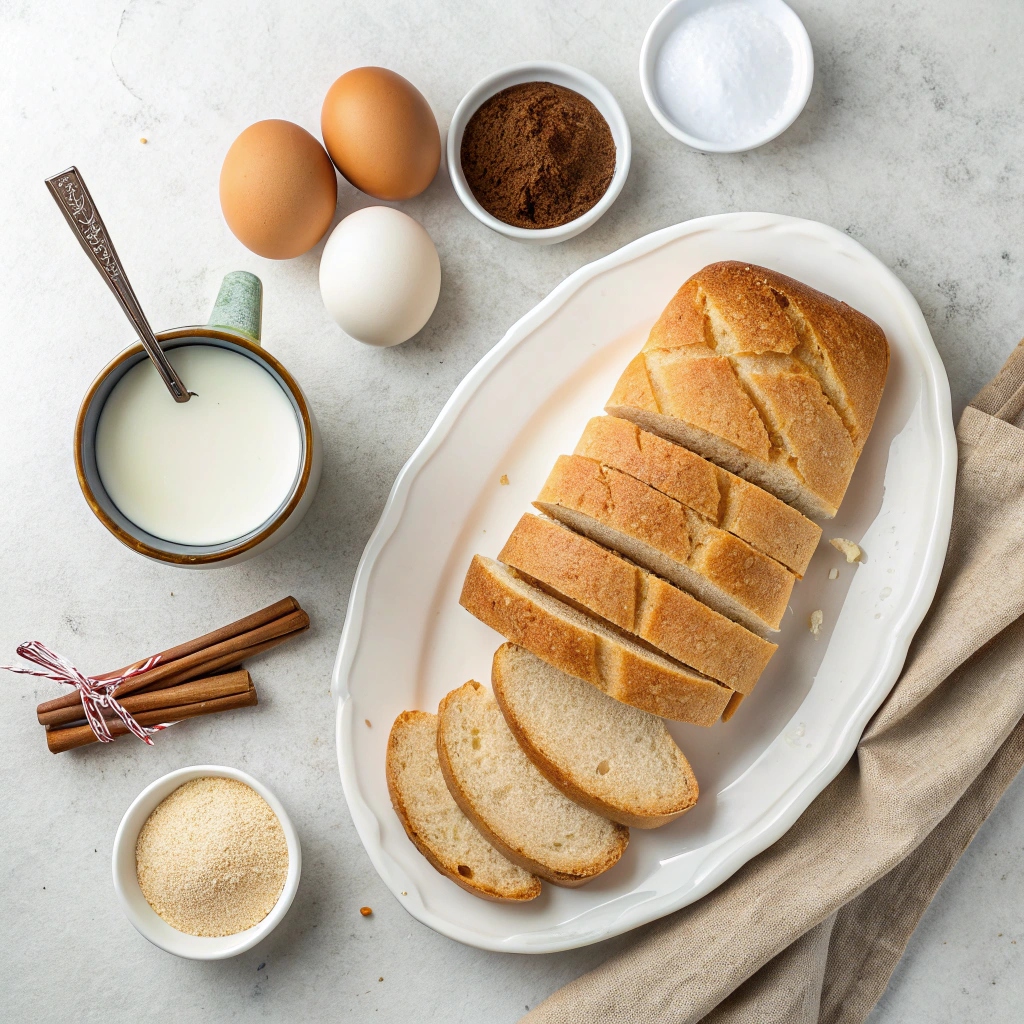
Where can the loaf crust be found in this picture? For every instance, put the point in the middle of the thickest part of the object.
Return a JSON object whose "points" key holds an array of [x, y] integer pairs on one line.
{"points": [[765, 376], [725, 572], [587, 649], [739, 507], [586, 575]]}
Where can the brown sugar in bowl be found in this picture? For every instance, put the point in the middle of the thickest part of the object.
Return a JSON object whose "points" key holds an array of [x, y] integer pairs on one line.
{"points": [[559, 75]]}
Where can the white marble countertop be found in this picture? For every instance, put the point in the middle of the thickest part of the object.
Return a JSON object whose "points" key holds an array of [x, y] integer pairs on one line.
{"points": [[912, 141]]}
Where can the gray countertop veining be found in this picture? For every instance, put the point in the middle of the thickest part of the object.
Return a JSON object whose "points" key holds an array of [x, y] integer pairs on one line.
{"points": [[912, 141]]}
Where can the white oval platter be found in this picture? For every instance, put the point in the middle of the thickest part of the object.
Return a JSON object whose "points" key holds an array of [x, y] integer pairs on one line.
{"points": [[406, 641]]}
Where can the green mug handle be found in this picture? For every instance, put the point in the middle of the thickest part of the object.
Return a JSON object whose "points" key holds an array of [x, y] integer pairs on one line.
{"points": [[239, 305]]}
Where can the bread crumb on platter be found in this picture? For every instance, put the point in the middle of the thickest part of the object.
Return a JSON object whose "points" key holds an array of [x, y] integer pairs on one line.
{"points": [[847, 547], [833, 574], [503, 480], [816, 620]]}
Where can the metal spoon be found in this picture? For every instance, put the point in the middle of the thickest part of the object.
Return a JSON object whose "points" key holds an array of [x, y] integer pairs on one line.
{"points": [[80, 212]]}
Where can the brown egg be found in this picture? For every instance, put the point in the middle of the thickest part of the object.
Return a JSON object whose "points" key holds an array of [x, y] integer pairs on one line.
{"points": [[278, 189], [381, 133]]}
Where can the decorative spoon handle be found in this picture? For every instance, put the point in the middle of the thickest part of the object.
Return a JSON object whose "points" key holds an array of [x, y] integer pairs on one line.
{"points": [[80, 212]]}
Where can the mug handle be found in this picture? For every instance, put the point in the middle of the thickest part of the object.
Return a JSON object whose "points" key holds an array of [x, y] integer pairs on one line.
{"points": [[239, 305]]}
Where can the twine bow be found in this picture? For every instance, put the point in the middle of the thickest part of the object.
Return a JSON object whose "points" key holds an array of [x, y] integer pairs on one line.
{"points": [[96, 693]]}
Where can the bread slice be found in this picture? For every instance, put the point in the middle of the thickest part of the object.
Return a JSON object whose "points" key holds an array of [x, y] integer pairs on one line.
{"points": [[433, 821], [618, 761], [669, 539], [588, 576], [501, 791], [573, 642], [734, 702], [741, 508], [763, 375]]}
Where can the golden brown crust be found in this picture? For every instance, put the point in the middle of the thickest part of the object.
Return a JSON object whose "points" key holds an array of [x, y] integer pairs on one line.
{"points": [[678, 624], [756, 582], [852, 346], [586, 575], [651, 683], [741, 508], [634, 389], [682, 323], [703, 389], [532, 891], [561, 780], [556, 641], [798, 427], [667, 467], [816, 440], [730, 709], [620, 501], [768, 524], [568, 880], [578, 569]]}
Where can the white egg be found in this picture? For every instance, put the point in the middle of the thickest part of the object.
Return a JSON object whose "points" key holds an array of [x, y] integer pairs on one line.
{"points": [[380, 276]]}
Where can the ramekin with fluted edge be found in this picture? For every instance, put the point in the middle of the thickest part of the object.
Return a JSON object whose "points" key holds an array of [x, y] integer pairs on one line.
{"points": [[145, 919], [557, 74]]}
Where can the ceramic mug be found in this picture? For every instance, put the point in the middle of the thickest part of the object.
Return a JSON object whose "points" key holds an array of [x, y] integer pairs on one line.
{"points": [[234, 325]]}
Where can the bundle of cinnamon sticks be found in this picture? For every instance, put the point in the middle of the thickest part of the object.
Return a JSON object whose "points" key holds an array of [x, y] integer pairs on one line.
{"points": [[189, 680]]}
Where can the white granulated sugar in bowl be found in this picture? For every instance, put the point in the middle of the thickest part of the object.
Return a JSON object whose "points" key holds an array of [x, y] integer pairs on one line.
{"points": [[726, 74]]}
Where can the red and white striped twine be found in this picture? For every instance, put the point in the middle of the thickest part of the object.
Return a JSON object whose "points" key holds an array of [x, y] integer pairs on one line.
{"points": [[96, 693]]}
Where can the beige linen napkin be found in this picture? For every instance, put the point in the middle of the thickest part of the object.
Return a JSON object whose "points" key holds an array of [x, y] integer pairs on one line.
{"points": [[811, 930]]}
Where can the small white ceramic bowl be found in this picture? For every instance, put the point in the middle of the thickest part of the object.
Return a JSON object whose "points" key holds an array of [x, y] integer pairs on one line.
{"points": [[145, 918], [791, 27], [558, 74]]}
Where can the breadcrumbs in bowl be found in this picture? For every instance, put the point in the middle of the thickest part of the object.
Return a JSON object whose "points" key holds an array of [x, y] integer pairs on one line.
{"points": [[206, 862], [212, 857]]}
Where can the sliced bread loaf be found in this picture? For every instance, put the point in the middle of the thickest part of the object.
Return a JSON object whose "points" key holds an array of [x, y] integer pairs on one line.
{"points": [[502, 792], [588, 576], [575, 643], [763, 375], [618, 761], [739, 507], [433, 821], [669, 539]]}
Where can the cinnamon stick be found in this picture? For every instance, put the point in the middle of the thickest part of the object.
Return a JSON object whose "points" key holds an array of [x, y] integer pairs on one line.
{"points": [[60, 740], [231, 659], [207, 688], [199, 662]]}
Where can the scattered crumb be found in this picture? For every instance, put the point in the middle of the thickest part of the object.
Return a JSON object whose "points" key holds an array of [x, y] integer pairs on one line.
{"points": [[504, 480], [366, 911], [143, 140], [816, 620], [833, 574], [172, 593], [847, 547], [367, 721], [380, 979], [404, 893]]}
